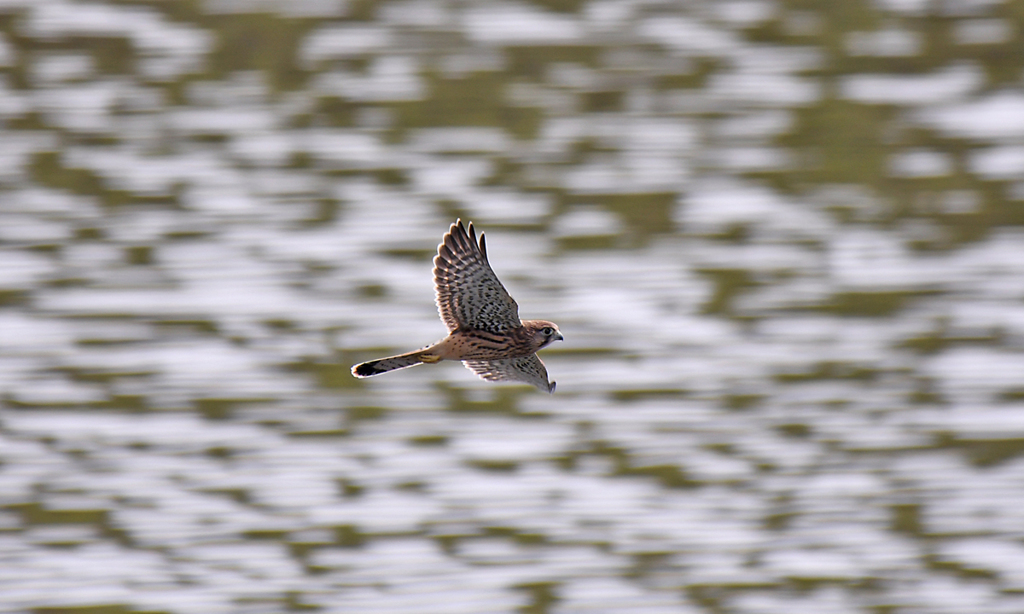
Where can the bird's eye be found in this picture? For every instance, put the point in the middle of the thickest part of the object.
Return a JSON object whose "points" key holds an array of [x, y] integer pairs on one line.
{"points": [[547, 330]]}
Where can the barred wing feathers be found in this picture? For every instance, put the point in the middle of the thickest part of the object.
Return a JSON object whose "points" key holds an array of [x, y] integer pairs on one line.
{"points": [[527, 369], [469, 295]]}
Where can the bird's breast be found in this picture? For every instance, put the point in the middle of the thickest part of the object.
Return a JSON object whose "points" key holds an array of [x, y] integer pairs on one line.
{"points": [[483, 345]]}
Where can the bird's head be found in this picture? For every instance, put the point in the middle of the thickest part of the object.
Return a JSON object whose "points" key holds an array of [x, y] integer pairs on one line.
{"points": [[542, 333]]}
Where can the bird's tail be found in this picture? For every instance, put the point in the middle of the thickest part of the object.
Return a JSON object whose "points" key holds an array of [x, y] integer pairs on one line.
{"points": [[401, 361]]}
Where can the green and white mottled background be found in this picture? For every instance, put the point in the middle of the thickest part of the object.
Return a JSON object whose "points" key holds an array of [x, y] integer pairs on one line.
{"points": [[783, 240]]}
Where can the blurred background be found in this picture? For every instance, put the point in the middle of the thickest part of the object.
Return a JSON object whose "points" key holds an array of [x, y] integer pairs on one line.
{"points": [[782, 239]]}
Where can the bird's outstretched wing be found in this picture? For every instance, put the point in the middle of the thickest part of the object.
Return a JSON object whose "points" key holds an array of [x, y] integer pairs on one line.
{"points": [[527, 369], [469, 295]]}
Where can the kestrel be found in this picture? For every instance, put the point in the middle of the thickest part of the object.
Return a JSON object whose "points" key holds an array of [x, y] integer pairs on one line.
{"points": [[484, 329]]}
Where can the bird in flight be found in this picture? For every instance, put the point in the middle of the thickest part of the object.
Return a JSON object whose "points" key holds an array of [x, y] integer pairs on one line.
{"points": [[484, 329]]}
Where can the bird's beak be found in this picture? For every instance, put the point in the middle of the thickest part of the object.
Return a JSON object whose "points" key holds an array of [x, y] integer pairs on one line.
{"points": [[558, 337]]}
